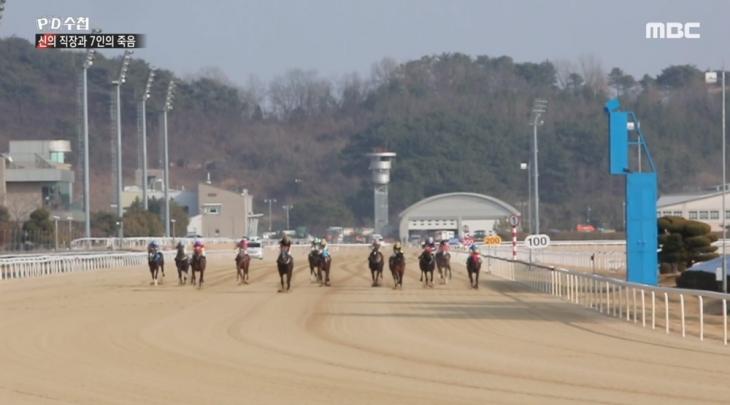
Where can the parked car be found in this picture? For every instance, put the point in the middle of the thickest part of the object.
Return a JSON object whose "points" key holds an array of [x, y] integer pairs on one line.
{"points": [[701, 276], [255, 250]]}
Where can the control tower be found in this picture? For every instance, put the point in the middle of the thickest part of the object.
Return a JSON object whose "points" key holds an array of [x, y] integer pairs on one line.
{"points": [[380, 168]]}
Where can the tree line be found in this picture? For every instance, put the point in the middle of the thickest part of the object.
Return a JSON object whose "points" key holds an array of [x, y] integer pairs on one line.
{"points": [[458, 123]]}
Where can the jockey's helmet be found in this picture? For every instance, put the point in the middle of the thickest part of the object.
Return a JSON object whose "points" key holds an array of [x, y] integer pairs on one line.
{"points": [[198, 243]]}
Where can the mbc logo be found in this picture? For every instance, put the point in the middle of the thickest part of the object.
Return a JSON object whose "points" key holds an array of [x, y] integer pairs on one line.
{"points": [[672, 30]]}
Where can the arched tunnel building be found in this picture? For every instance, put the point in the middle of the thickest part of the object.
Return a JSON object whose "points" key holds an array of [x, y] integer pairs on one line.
{"points": [[453, 212]]}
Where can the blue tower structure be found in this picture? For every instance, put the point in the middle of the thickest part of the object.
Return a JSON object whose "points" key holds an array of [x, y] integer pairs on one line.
{"points": [[641, 193]]}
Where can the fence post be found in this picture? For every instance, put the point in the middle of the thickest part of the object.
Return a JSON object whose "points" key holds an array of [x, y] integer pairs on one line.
{"points": [[608, 299], [633, 293], [681, 306], [702, 319], [666, 312], [653, 312], [643, 310], [724, 321]]}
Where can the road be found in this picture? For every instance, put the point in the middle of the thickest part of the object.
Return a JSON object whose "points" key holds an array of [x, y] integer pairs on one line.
{"points": [[111, 338]]}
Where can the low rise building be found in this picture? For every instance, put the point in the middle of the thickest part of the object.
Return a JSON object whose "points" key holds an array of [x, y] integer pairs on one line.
{"points": [[704, 207], [35, 174]]}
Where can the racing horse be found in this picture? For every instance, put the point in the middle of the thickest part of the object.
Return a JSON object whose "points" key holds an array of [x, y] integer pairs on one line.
{"points": [[376, 263], [182, 262], [473, 266], [323, 266], [397, 264], [156, 263], [443, 262], [427, 263], [285, 264], [313, 258], [198, 263], [243, 260]]}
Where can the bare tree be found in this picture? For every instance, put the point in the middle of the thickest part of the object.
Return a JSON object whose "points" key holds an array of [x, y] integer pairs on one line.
{"points": [[593, 74], [563, 69], [382, 72], [20, 206], [300, 93]]}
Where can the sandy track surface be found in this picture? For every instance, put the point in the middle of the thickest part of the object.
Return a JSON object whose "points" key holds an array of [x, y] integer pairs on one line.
{"points": [[111, 338]]}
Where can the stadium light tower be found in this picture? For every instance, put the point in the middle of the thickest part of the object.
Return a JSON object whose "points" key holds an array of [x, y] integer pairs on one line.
{"points": [[539, 107], [168, 107], [118, 86], [87, 195], [145, 97], [269, 201], [711, 77], [380, 164]]}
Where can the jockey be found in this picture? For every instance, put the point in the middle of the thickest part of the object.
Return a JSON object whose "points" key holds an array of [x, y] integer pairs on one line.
{"points": [[474, 253], [285, 245], [154, 248], [443, 246], [397, 249], [324, 248], [315, 244], [199, 247], [427, 246], [243, 246], [376, 245], [430, 242]]}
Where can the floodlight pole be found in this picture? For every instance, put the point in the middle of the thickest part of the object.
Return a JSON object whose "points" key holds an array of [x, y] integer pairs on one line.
{"points": [[145, 96], [87, 197], [539, 107], [118, 87], [269, 201], [166, 157], [724, 190]]}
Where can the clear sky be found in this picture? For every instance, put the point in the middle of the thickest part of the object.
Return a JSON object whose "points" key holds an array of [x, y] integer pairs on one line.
{"points": [[334, 37]]}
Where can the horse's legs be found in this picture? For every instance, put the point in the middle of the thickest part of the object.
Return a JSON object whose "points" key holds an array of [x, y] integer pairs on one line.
{"points": [[476, 282], [471, 280], [288, 277]]}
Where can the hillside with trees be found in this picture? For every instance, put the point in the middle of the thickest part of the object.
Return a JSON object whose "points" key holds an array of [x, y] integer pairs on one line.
{"points": [[457, 123]]}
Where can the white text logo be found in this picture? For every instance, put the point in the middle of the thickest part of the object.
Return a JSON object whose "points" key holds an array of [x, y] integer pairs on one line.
{"points": [[672, 30]]}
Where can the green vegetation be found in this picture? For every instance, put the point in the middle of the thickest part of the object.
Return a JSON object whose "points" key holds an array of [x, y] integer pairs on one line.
{"points": [[39, 227], [458, 123], [683, 243]]}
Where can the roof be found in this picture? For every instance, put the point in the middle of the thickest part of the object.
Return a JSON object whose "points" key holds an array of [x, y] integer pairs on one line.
{"points": [[672, 199], [501, 208]]}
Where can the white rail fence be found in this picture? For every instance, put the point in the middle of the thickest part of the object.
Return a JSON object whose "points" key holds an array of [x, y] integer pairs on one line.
{"points": [[38, 266], [44, 265], [585, 257], [696, 313]]}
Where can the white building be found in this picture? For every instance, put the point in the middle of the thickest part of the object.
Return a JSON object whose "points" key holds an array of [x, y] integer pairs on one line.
{"points": [[705, 207]]}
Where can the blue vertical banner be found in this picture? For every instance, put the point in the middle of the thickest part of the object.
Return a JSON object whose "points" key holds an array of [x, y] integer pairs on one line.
{"points": [[641, 195], [641, 228]]}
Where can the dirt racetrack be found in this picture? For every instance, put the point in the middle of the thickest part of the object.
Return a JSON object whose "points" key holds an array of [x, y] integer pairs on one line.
{"points": [[110, 338]]}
